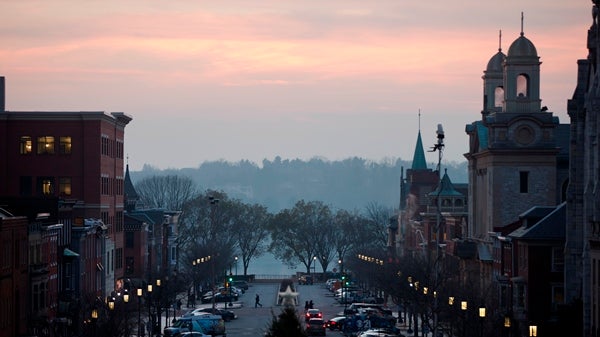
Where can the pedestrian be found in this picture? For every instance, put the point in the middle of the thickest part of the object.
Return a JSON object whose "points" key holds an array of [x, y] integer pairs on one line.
{"points": [[306, 306], [257, 301], [311, 304]]}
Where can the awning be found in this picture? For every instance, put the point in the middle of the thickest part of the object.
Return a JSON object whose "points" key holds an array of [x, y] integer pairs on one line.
{"points": [[70, 253]]}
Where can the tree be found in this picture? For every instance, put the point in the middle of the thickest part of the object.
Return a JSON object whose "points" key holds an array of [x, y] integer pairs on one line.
{"points": [[295, 232], [347, 229], [250, 231], [207, 228], [286, 324], [168, 192], [379, 217]]}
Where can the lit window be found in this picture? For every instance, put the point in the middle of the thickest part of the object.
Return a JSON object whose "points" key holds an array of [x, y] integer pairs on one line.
{"points": [[64, 186], [45, 145], [65, 145], [25, 146], [47, 186]]}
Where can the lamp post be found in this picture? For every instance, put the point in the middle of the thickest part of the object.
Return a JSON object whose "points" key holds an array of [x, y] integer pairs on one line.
{"points": [[151, 328], [94, 316], [236, 262], [139, 296], [507, 324], [110, 301], [214, 202], [158, 305], [481, 319], [451, 305], [463, 307], [314, 266]]}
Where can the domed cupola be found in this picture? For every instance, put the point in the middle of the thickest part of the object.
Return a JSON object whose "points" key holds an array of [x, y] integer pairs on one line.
{"points": [[493, 81], [522, 77], [522, 47], [496, 63]]}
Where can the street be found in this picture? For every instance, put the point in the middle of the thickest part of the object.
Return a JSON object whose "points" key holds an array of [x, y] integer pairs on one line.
{"points": [[253, 321]]}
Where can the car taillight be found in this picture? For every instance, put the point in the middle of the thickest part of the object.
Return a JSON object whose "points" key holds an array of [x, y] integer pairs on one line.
{"points": [[320, 315]]}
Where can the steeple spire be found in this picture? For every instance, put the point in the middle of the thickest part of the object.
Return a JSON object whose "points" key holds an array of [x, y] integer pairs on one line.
{"points": [[418, 162], [522, 33], [500, 40]]}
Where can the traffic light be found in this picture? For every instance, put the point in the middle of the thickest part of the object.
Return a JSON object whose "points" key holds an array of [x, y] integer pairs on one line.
{"points": [[230, 279]]}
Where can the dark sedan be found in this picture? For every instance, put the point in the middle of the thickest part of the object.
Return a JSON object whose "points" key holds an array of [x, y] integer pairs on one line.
{"points": [[336, 323], [316, 326], [227, 315]]}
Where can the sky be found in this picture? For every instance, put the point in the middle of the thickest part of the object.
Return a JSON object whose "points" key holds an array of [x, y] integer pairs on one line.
{"points": [[251, 80]]}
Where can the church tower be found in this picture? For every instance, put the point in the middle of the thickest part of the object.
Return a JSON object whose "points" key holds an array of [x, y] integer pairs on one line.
{"points": [[512, 149]]}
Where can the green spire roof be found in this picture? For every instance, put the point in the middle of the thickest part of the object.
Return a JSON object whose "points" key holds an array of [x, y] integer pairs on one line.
{"points": [[418, 162], [448, 189]]}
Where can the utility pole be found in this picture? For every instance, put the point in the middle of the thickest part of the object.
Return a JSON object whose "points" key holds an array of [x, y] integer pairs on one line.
{"points": [[439, 147]]}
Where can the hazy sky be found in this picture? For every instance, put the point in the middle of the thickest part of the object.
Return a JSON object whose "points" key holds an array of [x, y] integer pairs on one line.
{"points": [[240, 79]]}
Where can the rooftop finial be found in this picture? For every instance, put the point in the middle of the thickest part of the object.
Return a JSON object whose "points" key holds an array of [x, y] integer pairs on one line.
{"points": [[500, 40], [419, 119], [522, 24]]}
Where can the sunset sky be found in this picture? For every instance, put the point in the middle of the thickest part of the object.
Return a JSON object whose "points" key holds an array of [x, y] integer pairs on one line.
{"points": [[239, 79]]}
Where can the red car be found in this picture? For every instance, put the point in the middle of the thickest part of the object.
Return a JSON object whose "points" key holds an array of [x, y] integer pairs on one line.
{"points": [[313, 313]]}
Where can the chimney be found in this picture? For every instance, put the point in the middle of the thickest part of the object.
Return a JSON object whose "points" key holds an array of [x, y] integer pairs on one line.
{"points": [[2, 94]]}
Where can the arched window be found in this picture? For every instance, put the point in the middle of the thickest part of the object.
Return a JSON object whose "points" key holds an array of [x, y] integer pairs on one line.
{"points": [[498, 97], [522, 85]]}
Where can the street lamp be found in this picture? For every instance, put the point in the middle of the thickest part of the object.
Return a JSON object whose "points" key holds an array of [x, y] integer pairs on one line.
{"points": [[314, 265], [463, 307], [482, 317], [151, 328], [139, 296], [236, 261], [94, 320], [158, 305], [507, 324], [451, 304]]}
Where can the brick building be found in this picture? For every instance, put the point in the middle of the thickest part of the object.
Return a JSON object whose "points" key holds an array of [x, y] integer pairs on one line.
{"points": [[75, 160]]}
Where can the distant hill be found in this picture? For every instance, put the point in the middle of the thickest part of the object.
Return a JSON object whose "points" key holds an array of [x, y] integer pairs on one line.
{"points": [[348, 184]]}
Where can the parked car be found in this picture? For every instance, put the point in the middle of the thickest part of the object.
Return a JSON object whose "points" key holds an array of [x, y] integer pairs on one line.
{"points": [[208, 324], [241, 284], [227, 315], [336, 323], [219, 297], [192, 334], [316, 327], [380, 333], [313, 313]]}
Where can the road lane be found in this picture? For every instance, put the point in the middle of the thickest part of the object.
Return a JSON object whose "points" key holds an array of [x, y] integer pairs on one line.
{"points": [[253, 321]]}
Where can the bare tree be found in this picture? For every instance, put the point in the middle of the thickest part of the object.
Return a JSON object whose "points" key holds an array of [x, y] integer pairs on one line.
{"points": [[168, 192], [250, 231], [379, 217]]}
